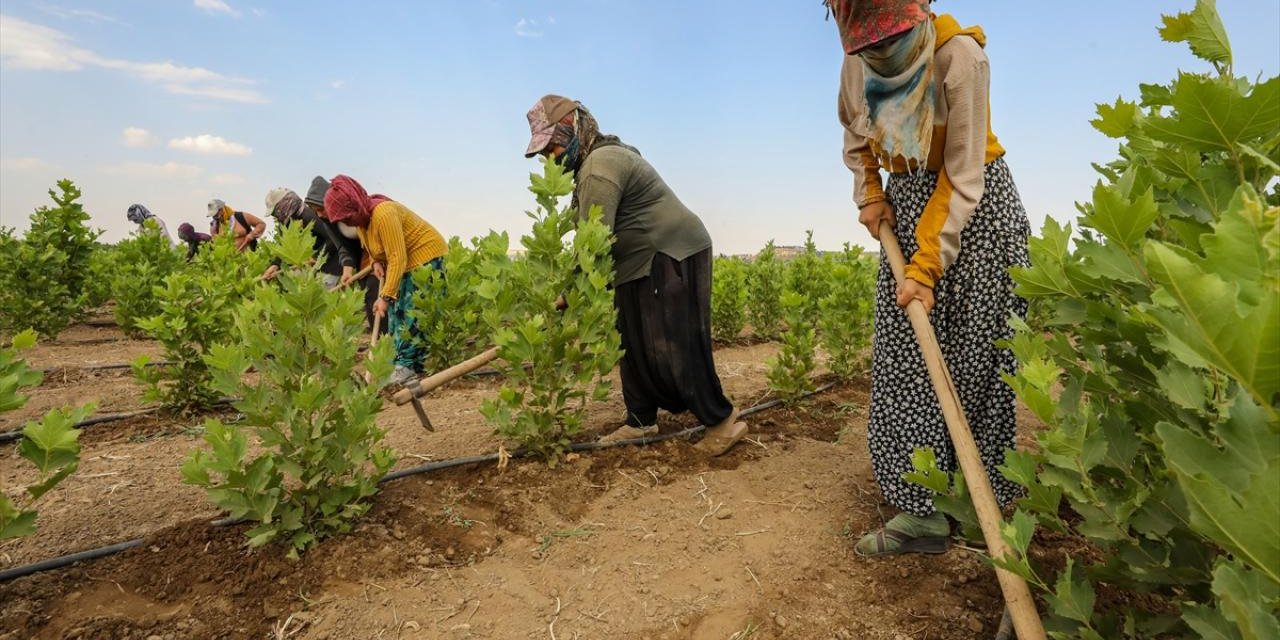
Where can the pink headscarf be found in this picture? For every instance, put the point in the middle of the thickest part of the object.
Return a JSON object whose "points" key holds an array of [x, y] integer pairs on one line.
{"points": [[347, 202]]}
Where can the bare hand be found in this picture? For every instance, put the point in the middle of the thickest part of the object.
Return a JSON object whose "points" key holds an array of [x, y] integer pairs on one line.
{"points": [[271, 272], [380, 271], [380, 308], [871, 215], [911, 290], [347, 274]]}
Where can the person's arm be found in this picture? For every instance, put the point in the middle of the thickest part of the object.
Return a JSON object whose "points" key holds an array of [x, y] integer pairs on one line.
{"points": [[858, 156], [390, 234], [960, 181], [257, 226]]}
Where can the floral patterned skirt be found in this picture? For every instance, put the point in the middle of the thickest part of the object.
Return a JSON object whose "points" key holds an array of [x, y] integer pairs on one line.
{"points": [[974, 301]]}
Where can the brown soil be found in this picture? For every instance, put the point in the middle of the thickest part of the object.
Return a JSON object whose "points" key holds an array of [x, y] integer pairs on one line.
{"points": [[652, 542]]}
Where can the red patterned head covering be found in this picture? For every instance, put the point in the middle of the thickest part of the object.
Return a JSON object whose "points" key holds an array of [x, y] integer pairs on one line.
{"points": [[863, 23], [347, 202]]}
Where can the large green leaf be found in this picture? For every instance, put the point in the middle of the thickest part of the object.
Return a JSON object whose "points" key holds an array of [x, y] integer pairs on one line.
{"points": [[1245, 522], [1248, 599], [1205, 322], [1211, 114]]}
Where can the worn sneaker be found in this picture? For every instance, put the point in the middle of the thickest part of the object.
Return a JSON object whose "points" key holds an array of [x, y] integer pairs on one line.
{"points": [[402, 376]]}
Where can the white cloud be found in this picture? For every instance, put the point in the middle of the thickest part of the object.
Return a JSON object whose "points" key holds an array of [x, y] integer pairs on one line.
{"points": [[136, 137], [26, 45], [152, 171], [227, 179], [338, 84], [527, 28], [210, 145], [216, 6], [27, 165], [78, 14], [230, 94], [258, 12]]}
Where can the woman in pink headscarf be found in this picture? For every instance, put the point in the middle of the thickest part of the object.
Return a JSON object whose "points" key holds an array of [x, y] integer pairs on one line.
{"points": [[398, 242], [914, 103]]}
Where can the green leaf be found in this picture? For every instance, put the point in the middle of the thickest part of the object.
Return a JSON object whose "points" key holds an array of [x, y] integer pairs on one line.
{"points": [[1116, 121], [1202, 30], [15, 523], [1233, 519], [1119, 219], [1247, 599], [1207, 323], [1071, 598], [1212, 115]]}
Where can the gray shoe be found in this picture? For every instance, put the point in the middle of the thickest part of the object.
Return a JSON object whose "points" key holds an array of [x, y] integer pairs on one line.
{"points": [[402, 376]]}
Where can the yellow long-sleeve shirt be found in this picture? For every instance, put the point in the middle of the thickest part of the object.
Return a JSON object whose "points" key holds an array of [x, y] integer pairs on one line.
{"points": [[401, 239], [961, 147]]}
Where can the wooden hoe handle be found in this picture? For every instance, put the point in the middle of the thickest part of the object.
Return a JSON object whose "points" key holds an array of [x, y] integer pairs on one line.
{"points": [[1017, 596], [359, 275], [437, 380]]}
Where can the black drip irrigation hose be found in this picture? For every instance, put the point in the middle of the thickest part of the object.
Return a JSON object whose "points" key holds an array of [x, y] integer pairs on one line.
{"points": [[14, 434], [112, 549], [102, 367]]}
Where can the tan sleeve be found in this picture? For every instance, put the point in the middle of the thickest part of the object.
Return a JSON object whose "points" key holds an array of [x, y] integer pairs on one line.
{"points": [[867, 187], [965, 82]]}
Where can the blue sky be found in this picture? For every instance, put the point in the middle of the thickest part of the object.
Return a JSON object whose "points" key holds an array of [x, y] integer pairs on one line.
{"points": [[172, 102]]}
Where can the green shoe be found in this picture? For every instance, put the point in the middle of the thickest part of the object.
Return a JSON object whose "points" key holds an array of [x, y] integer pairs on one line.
{"points": [[907, 533]]}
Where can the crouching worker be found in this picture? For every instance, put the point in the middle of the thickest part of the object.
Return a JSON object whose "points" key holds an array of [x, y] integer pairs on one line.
{"points": [[397, 241], [662, 282], [246, 228], [349, 239], [192, 238], [286, 208]]}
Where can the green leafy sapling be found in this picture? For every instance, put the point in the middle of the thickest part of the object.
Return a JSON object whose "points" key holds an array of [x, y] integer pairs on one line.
{"points": [[1158, 375], [765, 282], [807, 274], [728, 297], [45, 284], [791, 371], [50, 444], [449, 313], [317, 452], [139, 267], [568, 352], [846, 313], [196, 305]]}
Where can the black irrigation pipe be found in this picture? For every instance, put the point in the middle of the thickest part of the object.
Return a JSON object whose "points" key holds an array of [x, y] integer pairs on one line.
{"points": [[102, 367], [112, 549], [14, 434]]}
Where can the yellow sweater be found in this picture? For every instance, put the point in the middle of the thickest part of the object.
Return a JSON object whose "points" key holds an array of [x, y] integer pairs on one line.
{"points": [[961, 146], [398, 237]]}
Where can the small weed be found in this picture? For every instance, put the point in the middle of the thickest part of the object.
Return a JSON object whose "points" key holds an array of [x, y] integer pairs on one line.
{"points": [[748, 632], [456, 519]]}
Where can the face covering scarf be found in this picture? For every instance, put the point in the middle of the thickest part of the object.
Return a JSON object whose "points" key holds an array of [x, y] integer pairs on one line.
{"points": [[898, 88]]}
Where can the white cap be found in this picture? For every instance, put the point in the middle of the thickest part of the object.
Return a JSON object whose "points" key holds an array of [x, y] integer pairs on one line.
{"points": [[274, 197], [215, 207]]}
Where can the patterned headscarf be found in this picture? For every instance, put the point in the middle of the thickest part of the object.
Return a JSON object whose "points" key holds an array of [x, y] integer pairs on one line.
{"points": [[347, 202], [898, 88], [138, 213], [288, 208], [863, 23]]}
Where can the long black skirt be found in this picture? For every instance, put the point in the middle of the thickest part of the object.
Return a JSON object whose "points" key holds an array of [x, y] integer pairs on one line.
{"points": [[665, 323]]}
